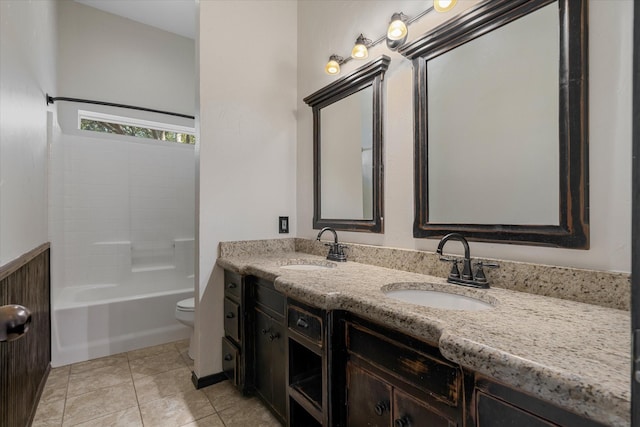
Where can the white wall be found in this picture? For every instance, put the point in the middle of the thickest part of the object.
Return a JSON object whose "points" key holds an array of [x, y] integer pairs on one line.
{"points": [[247, 142], [27, 72], [106, 57], [328, 27]]}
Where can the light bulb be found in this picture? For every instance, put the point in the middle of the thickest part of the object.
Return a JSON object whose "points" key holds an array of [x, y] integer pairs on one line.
{"points": [[333, 66], [397, 29], [360, 50], [444, 5]]}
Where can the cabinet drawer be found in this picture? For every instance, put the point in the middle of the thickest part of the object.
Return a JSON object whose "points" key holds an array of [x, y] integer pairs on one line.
{"points": [[232, 319], [232, 285], [495, 413], [230, 360], [269, 299], [439, 378], [305, 324]]}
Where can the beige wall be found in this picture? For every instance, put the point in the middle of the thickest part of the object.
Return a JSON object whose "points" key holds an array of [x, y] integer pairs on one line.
{"points": [[247, 143], [328, 27]]}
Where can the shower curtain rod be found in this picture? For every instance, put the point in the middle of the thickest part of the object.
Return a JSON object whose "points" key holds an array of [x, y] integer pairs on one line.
{"points": [[51, 100]]}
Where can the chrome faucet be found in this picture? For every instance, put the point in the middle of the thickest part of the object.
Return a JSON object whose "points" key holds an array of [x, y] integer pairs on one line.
{"points": [[336, 250], [467, 278]]}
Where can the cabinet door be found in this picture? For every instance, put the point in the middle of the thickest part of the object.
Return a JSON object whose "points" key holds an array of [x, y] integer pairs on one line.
{"points": [[368, 399], [408, 412], [262, 358]]}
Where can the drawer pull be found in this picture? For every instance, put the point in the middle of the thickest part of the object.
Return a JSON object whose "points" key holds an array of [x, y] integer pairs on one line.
{"points": [[381, 407], [401, 422], [230, 315], [231, 285], [265, 331], [302, 322], [228, 357], [274, 336]]}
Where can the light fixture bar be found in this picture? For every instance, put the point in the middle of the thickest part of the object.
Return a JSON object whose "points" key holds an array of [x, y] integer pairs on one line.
{"points": [[379, 40], [420, 15]]}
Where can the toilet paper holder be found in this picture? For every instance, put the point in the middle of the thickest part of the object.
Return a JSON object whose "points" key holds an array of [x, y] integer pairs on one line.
{"points": [[15, 321]]}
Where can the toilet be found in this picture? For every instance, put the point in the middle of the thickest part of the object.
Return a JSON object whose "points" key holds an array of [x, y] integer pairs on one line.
{"points": [[185, 314]]}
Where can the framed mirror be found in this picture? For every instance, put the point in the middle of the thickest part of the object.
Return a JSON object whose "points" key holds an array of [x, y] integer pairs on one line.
{"points": [[501, 132], [347, 150]]}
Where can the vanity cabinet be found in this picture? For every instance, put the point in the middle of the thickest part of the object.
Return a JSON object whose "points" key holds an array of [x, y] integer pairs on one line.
{"points": [[396, 380], [315, 368], [269, 341]]}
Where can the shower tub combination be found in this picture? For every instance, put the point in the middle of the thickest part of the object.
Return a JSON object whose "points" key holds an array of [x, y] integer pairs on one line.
{"points": [[100, 319]]}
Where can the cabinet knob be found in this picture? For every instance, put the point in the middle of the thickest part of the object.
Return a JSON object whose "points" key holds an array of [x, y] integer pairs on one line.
{"points": [[231, 285], [228, 357], [230, 315], [264, 331], [401, 422], [274, 336], [381, 407], [302, 322]]}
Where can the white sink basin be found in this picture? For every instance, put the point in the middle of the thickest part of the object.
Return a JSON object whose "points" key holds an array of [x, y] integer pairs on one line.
{"points": [[306, 265], [438, 299]]}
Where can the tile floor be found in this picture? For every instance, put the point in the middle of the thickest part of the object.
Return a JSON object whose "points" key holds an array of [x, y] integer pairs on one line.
{"points": [[148, 387]]}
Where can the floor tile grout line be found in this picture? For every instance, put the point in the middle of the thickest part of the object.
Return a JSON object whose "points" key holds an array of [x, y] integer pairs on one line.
{"points": [[135, 391], [66, 394]]}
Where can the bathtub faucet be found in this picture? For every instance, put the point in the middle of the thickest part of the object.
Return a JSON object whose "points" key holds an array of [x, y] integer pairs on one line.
{"points": [[336, 250]]}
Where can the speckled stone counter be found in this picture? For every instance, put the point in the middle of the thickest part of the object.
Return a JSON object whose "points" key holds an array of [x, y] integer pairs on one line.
{"points": [[572, 354]]}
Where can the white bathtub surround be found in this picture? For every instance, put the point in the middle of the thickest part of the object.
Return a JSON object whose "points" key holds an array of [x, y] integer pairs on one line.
{"points": [[123, 244]]}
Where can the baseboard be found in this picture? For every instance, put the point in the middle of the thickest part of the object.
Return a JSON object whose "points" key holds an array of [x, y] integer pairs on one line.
{"points": [[208, 380]]}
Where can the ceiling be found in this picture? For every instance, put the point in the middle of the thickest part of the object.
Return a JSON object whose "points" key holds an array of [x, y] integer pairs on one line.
{"points": [[175, 16]]}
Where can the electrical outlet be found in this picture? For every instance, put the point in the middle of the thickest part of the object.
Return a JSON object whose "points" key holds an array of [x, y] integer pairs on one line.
{"points": [[283, 225]]}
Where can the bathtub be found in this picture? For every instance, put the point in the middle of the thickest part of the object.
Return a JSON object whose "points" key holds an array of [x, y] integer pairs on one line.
{"points": [[96, 320]]}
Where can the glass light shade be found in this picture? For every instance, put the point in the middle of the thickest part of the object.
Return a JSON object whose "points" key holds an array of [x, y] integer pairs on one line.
{"points": [[332, 67], [444, 5], [359, 51], [397, 30]]}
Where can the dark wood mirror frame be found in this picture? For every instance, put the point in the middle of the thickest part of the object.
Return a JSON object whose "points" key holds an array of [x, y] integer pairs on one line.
{"points": [[370, 74], [573, 228]]}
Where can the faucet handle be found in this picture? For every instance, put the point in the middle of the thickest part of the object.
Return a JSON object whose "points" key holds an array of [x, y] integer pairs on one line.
{"points": [[479, 276], [481, 264], [455, 272]]}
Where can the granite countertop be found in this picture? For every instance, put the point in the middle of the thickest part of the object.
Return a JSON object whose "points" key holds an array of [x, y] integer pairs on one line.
{"points": [[569, 353]]}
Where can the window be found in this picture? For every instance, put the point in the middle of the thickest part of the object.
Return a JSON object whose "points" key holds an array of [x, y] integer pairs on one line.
{"points": [[107, 123]]}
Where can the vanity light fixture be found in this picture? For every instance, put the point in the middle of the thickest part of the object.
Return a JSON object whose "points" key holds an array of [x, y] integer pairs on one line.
{"points": [[360, 50], [333, 66], [396, 35], [444, 5], [397, 31]]}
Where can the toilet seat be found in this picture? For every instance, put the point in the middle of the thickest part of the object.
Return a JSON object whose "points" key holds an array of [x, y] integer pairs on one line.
{"points": [[186, 305]]}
